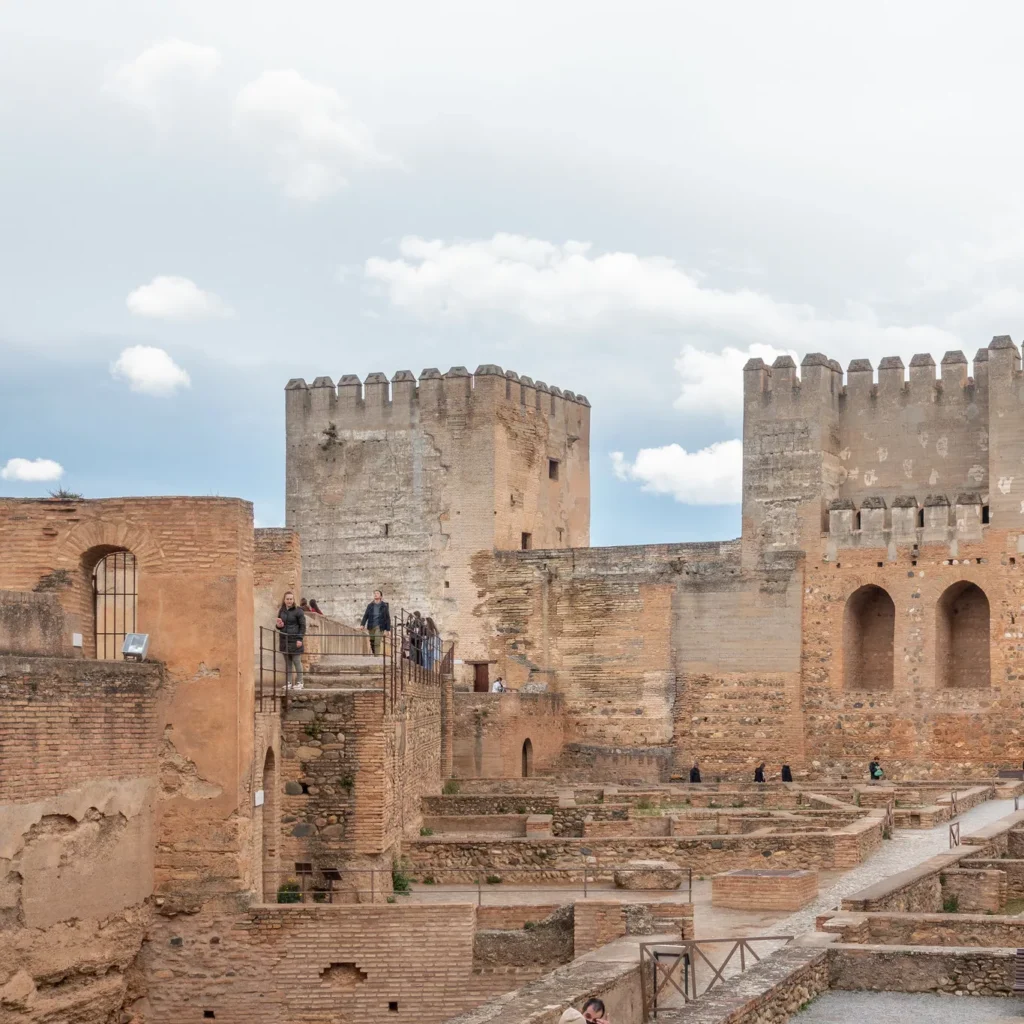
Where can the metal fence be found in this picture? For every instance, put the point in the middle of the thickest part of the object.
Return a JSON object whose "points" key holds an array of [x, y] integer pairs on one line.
{"points": [[405, 656], [668, 970]]}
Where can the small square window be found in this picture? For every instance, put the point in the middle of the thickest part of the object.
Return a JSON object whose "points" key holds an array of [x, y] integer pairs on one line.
{"points": [[984, 513], [552, 469], [303, 868], [920, 518], [393, 1007], [387, 529], [209, 1015], [446, 584], [527, 541]]}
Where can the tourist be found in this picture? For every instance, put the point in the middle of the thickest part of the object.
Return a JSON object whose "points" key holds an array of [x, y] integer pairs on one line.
{"points": [[787, 773], [431, 644], [875, 772], [497, 686], [695, 772], [304, 605], [593, 1010], [415, 630], [571, 1016], [759, 773], [314, 607], [291, 625], [376, 620]]}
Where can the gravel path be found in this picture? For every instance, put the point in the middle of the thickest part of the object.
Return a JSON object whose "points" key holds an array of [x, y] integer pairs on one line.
{"points": [[906, 849], [893, 1007]]}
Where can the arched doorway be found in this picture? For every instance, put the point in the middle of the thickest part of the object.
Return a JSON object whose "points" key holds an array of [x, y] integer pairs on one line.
{"points": [[115, 602], [527, 758], [269, 829], [962, 637], [869, 627]]}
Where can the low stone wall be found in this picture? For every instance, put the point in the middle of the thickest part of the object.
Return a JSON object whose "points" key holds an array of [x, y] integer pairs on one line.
{"points": [[925, 929], [751, 889], [955, 971], [1013, 871], [771, 992], [599, 921], [546, 943], [614, 764], [917, 890], [973, 891], [565, 820], [509, 916], [560, 859]]}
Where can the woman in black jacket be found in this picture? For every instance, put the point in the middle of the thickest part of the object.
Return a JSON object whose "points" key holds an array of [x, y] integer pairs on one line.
{"points": [[291, 625]]}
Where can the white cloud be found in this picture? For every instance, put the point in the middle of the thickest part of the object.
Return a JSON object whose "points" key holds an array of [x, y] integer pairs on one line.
{"points": [[158, 76], [568, 286], [314, 142], [32, 470], [712, 382], [149, 370], [176, 298], [711, 476]]}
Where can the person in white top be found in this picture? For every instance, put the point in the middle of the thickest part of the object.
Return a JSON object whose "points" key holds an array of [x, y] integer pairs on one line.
{"points": [[498, 686]]}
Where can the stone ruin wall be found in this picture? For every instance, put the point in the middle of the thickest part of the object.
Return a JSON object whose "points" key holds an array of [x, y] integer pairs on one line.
{"points": [[396, 487], [166, 781]]}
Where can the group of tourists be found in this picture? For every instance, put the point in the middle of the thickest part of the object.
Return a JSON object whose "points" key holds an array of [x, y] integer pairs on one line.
{"points": [[421, 640], [875, 773]]}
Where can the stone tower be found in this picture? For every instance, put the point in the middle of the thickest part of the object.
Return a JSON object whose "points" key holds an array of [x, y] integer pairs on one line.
{"points": [[397, 487]]}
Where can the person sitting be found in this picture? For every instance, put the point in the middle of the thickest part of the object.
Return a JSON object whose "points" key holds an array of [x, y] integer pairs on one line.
{"points": [[759, 773], [695, 772]]}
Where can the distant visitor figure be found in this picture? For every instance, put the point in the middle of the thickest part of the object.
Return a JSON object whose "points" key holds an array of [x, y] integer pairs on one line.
{"points": [[875, 772], [695, 772], [431, 644], [497, 686], [787, 773], [759, 773], [314, 607], [291, 624], [376, 620]]}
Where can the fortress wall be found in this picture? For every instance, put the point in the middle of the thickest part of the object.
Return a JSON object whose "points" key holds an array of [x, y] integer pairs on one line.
{"points": [[916, 726], [396, 487], [79, 766], [660, 644]]}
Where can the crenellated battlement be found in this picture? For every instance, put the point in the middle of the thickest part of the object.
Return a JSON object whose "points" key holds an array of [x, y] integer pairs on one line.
{"points": [[999, 362], [352, 401], [907, 521]]}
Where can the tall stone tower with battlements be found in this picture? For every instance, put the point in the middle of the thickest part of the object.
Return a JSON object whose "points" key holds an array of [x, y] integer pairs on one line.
{"points": [[397, 487]]}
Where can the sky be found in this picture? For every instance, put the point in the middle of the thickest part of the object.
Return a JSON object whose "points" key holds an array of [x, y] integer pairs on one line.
{"points": [[200, 199]]}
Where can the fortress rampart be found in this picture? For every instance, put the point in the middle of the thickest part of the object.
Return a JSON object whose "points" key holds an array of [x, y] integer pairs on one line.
{"points": [[922, 456]]}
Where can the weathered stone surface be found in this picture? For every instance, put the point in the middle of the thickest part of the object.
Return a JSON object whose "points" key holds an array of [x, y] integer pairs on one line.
{"points": [[649, 874]]}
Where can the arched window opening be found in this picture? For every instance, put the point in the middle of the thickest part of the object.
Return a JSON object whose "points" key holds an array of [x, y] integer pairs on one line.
{"points": [[962, 637], [527, 759], [269, 823], [869, 628], [115, 603]]}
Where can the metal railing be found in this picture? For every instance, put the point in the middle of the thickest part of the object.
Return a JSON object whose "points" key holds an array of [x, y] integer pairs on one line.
{"points": [[954, 834], [669, 969], [404, 654], [314, 884]]}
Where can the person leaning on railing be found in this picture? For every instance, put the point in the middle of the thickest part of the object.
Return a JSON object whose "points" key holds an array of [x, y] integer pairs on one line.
{"points": [[376, 620]]}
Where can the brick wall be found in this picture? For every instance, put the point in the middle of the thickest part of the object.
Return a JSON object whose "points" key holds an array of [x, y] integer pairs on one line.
{"points": [[883, 929], [753, 891], [490, 730], [80, 759], [67, 722], [277, 567], [304, 963]]}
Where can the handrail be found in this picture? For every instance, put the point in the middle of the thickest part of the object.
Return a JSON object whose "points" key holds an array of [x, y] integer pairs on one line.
{"points": [[655, 981]]}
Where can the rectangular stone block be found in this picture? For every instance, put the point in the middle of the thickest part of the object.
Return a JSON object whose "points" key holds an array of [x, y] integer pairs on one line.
{"points": [[763, 889]]}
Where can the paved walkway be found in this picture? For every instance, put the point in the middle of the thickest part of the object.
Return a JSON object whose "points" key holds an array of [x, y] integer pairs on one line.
{"points": [[891, 1007]]}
